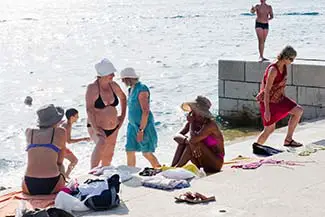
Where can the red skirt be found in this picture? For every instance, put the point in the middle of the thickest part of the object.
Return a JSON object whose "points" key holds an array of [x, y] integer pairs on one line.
{"points": [[278, 110]]}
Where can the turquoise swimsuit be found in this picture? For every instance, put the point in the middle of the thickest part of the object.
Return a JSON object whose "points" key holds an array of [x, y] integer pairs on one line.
{"points": [[150, 137]]}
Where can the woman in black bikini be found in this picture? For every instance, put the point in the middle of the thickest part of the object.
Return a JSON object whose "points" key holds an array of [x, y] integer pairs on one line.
{"points": [[102, 97], [45, 149]]}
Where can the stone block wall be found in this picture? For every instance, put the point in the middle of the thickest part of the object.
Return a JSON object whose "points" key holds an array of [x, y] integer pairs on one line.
{"points": [[239, 82]]}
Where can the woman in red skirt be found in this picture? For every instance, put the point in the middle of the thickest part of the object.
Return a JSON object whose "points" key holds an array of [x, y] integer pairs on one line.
{"points": [[274, 105]]}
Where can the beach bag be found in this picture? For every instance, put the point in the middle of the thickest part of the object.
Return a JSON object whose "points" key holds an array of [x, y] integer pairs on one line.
{"points": [[108, 198]]}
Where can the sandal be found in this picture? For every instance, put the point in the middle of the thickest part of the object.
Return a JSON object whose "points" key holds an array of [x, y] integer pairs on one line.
{"points": [[194, 198], [292, 143]]}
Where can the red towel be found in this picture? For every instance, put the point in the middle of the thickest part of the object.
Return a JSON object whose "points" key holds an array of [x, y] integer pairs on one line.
{"points": [[10, 202]]}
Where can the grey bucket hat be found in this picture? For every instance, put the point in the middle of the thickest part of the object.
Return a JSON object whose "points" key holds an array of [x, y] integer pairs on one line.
{"points": [[49, 115]]}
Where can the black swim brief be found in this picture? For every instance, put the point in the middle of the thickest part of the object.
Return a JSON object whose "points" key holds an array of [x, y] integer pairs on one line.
{"points": [[261, 25]]}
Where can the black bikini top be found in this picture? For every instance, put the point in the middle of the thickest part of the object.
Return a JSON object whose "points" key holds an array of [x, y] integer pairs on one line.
{"points": [[99, 103]]}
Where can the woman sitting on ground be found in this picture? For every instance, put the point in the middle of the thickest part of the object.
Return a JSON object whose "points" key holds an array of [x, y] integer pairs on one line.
{"points": [[200, 140], [44, 173]]}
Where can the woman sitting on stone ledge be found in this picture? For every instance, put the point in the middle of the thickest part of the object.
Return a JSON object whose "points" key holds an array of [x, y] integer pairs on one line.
{"points": [[200, 140], [274, 105]]}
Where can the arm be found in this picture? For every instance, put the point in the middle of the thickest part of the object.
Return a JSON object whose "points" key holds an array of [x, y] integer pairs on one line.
{"points": [[90, 95], [69, 139], [144, 103], [271, 13], [269, 82], [181, 137], [120, 94], [62, 139], [253, 9]]}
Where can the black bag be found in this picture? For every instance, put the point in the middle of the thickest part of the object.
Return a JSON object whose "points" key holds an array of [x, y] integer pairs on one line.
{"points": [[50, 212], [109, 198], [264, 150]]}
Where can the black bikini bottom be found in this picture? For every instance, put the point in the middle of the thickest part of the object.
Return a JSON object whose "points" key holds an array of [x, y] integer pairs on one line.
{"points": [[41, 186], [107, 132]]}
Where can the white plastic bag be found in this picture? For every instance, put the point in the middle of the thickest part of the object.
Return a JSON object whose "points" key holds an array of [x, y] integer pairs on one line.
{"points": [[69, 203]]}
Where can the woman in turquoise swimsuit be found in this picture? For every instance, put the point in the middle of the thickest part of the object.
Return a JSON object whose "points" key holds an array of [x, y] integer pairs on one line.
{"points": [[45, 149], [141, 132], [200, 140]]}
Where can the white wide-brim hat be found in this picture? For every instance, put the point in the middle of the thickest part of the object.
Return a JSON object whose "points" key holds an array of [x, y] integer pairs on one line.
{"points": [[128, 73], [104, 67]]}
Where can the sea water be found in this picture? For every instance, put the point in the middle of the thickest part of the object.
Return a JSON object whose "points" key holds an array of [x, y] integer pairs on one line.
{"points": [[48, 50]]}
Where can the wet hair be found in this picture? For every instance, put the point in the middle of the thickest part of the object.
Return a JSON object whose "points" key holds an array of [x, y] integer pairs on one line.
{"points": [[287, 52], [71, 112]]}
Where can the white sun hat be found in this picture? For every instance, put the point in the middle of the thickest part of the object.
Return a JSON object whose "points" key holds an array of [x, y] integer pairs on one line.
{"points": [[104, 67], [128, 73]]}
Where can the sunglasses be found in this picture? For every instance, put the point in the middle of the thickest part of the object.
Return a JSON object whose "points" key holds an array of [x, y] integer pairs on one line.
{"points": [[291, 59]]}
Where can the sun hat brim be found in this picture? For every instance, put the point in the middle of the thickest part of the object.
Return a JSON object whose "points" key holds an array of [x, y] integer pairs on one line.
{"points": [[193, 106], [54, 119]]}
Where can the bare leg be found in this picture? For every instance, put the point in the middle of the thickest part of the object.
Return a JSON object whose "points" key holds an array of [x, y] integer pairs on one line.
{"points": [[209, 160], [186, 157], [73, 162], [109, 151], [261, 40], [296, 114], [98, 150], [265, 134], [179, 150], [131, 160], [265, 33], [152, 159]]}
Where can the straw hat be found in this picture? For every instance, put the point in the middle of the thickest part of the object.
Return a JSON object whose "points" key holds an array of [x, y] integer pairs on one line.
{"points": [[105, 67], [200, 105], [49, 115], [128, 73]]}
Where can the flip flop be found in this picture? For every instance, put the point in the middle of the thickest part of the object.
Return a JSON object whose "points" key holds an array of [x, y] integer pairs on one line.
{"points": [[184, 197], [293, 144], [194, 198]]}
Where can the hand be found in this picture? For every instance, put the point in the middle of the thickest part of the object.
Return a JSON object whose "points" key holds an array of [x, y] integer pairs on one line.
{"points": [[140, 136], [196, 152], [267, 115], [99, 132], [120, 120], [253, 9]]}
